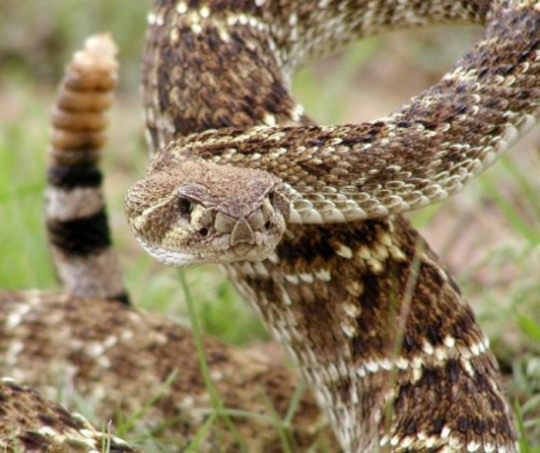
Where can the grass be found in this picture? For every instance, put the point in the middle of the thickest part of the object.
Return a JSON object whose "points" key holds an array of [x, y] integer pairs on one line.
{"points": [[500, 276]]}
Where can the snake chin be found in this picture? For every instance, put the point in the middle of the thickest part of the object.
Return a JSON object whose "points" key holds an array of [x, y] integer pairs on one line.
{"points": [[168, 257]]}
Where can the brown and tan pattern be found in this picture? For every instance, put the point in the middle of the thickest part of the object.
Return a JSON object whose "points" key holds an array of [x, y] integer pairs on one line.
{"points": [[28, 423], [379, 329]]}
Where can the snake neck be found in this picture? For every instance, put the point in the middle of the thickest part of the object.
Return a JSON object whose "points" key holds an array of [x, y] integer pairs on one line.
{"points": [[382, 335]]}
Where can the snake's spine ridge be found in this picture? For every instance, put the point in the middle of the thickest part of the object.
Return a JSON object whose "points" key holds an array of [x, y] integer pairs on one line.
{"points": [[77, 222]]}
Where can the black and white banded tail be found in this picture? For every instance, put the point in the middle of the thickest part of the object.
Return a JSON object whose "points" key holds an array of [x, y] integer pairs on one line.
{"points": [[75, 211]]}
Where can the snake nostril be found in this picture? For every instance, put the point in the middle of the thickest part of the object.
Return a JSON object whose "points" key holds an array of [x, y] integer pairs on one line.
{"points": [[267, 225], [203, 232]]}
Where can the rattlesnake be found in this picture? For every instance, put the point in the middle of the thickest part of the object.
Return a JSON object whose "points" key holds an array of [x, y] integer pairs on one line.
{"points": [[376, 324], [89, 341]]}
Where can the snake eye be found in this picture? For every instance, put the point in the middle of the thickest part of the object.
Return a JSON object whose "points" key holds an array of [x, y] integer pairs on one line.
{"points": [[185, 206]]}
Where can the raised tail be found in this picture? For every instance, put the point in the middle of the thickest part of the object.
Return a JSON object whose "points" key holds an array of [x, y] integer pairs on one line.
{"points": [[76, 217]]}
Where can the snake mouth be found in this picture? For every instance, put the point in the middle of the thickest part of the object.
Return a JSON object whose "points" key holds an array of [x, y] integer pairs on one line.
{"points": [[208, 237], [242, 249]]}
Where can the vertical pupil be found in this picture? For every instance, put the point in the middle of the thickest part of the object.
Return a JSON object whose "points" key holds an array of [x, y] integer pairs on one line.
{"points": [[185, 206]]}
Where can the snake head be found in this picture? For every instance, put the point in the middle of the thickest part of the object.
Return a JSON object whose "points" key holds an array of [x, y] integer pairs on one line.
{"points": [[187, 212]]}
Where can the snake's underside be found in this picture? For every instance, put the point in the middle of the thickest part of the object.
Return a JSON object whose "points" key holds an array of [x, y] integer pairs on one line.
{"points": [[379, 329]]}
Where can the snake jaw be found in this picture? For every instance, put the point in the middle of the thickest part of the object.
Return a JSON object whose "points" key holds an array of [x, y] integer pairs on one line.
{"points": [[186, 217], [168, 257]]}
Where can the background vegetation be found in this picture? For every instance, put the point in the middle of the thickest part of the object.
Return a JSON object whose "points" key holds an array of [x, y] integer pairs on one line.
{"points": [[489, 236]]}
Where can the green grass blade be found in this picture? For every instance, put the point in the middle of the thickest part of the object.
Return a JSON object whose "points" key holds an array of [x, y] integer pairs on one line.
{"points": [[217, 403]]}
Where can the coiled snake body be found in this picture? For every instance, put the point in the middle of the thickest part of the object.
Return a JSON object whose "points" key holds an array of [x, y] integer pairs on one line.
{"points": [[306, 218]]}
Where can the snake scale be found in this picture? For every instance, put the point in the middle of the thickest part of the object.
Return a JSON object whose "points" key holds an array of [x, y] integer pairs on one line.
{"points": [[305, 219]]}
